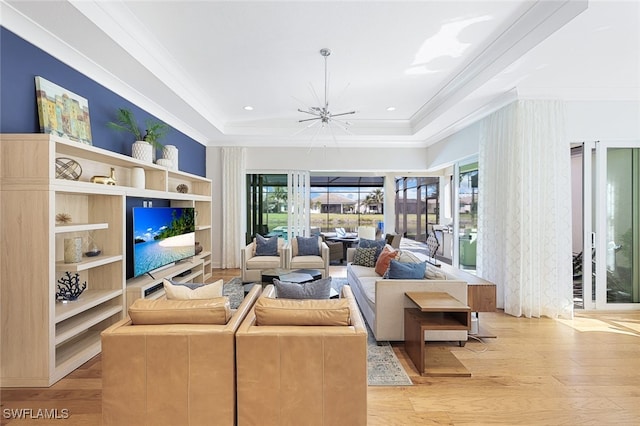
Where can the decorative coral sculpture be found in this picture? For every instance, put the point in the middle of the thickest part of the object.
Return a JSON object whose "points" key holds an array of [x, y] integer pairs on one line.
{"points": [[69, 287]]}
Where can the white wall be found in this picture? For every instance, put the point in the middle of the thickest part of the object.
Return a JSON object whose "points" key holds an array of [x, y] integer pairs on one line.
{"points": [[337, 159], [454, 148], [603, 120]]}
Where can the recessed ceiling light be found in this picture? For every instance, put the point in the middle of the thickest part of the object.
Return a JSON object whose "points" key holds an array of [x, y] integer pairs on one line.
{"points": [[248, 108], [391, 108]]}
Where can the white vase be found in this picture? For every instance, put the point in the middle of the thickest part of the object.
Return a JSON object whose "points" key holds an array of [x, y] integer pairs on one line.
{"points": [[165, 163], [138, 178], [142, 150], [170, 152]]}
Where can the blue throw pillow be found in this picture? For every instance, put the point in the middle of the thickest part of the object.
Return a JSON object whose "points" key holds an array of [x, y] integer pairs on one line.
{"points": [[308, 246], [377, 244], [266, 246], [406, 271], [318, 289]]}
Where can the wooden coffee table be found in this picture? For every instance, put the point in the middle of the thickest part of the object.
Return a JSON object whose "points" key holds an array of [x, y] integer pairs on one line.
{"points": [[436, 311]]}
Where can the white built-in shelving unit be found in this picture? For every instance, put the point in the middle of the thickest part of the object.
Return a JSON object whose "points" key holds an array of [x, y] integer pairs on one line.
{"points": [[42, 339]]}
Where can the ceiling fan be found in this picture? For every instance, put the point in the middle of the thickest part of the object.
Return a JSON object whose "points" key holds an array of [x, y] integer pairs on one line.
{"points": [[321, 113]]}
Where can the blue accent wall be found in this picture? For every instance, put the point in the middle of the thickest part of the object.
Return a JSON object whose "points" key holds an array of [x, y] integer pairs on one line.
{"points": [[21, 61]]}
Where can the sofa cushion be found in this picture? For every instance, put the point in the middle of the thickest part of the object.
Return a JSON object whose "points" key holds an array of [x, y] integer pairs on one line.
{"points": [[364, 271], [406, 271], [387, 254], [365, 257], [332, 312], [266, 246], [163, 311], [377, 244], [186, 291], [368, 286], [308, 246], [262, 262], [318, 289]]}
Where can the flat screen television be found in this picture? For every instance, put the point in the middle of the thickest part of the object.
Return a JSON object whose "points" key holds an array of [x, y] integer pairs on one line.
{"points": [[162, 236]]}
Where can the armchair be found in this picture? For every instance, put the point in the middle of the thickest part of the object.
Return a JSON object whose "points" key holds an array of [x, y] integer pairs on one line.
{"points": [[251, 266], [166, 372], [336, 250], [296, 261], [293, 372]]}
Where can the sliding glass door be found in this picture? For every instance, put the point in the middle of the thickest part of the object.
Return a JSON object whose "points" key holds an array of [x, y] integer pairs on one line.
{"points": [[617, 225]]}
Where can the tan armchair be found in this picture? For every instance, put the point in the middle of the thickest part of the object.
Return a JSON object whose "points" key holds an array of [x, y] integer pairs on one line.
{"points": [[302, 374], [251, 266], [295, 261], [171, 374]]}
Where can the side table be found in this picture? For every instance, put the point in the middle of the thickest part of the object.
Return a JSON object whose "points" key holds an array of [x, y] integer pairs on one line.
{"points": [[436, 311]]}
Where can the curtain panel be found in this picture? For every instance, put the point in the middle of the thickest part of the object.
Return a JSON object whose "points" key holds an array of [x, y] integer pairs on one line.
{"points": [[524, 220], [233, 175]]}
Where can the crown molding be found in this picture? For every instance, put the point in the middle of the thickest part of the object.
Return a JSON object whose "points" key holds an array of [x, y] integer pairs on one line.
{"points": [[21, 25], [535, 24]]}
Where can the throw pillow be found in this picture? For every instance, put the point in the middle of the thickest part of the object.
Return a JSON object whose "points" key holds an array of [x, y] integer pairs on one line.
{"points": [[433, 273], [308, 246], [382, 264], [319, 289], [406, 271], [377, 244], [408, 257], [189, 291], [266, 246], [365, 257]]}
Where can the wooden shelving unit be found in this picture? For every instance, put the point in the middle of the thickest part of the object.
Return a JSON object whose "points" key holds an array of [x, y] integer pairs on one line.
{"points": [[44, 340]]}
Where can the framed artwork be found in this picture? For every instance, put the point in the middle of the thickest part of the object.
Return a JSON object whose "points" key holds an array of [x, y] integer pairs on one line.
{"points": [[62, 113]]}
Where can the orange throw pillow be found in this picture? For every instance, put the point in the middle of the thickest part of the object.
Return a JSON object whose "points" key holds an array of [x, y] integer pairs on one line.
{"points": [[382, 264]]}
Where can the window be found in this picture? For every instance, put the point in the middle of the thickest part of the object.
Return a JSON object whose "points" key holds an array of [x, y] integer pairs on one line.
{"points": [[417, 206], [346, 202]]}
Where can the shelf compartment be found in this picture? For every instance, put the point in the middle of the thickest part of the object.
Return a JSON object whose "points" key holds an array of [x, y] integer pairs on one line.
{"points": [[86, 301], [88, 263], [189, 277], [76, 352], [77, 324], [80, 227]]}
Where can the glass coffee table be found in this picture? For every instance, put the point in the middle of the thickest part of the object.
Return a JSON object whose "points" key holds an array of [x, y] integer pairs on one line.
{"points": [[299, 276]]}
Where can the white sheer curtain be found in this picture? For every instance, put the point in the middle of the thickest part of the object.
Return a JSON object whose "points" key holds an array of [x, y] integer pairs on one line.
{"points": [[233, 175], [524, 220]]}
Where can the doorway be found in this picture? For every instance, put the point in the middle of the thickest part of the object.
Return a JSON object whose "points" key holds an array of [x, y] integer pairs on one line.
{"points": [[609, 264]]}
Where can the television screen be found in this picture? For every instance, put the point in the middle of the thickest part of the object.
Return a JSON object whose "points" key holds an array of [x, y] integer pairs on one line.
{"points": [[161, 236]]}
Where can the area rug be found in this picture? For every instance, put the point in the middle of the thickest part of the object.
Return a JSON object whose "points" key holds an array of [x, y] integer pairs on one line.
{"points": [[383, 367]]}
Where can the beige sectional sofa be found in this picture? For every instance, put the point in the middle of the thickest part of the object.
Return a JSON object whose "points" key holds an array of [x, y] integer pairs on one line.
{"points": [[382, 301]]}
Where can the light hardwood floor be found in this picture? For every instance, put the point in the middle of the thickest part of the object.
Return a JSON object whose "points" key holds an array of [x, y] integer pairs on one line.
{"points": [[537, 371]]}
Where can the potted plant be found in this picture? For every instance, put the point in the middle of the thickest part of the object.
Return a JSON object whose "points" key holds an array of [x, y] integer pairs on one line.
{"points": [[144, 146]]}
